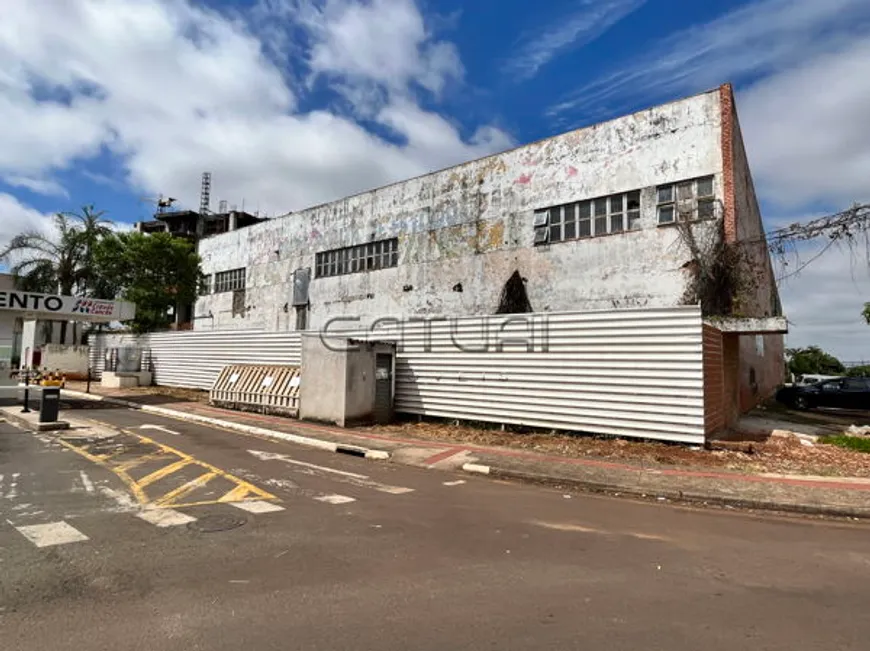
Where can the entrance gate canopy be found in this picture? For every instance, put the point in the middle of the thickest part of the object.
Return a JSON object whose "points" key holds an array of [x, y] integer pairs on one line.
{"points": [[31, 305]]}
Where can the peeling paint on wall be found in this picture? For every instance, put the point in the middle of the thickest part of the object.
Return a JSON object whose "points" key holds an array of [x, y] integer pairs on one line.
{"points": [[471, 225]]}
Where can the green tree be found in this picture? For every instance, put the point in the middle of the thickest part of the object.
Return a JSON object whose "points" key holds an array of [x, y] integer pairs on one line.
{"points": [[813, 360], [866, 312], [157, 272], [859, 371]]}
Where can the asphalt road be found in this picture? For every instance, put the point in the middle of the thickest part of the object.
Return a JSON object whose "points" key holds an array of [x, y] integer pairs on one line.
{"points": [[354, 554]]}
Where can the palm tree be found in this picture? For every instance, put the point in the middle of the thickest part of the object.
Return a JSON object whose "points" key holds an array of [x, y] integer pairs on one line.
{"points": [[60, 262], [46, 263], [93, 228]]}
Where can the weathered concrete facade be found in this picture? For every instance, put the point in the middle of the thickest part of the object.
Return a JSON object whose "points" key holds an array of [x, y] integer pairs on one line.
{"points": [[470, 227], [463, 232]]}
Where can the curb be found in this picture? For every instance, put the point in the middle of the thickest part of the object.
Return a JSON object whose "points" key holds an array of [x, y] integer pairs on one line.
{"points": [[20, 421], [674, 496], [308, 441]]}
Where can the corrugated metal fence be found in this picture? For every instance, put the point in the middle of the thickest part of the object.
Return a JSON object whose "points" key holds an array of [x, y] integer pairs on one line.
{"points": [[624, 372], [194, 359], [627, 372]]}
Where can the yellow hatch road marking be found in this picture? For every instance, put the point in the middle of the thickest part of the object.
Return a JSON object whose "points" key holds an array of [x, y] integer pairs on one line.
{"points": [[181, 491], [163, 472], [242, 490]]}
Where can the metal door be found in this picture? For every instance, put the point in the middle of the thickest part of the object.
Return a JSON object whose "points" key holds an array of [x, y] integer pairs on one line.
{"points": [[383, 388]]}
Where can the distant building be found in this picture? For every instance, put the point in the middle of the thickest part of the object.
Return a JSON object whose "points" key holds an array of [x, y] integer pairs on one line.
{"points": [[195, 226], [592, 219]]}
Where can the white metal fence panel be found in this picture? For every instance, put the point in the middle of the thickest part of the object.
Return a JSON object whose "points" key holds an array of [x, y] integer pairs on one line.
{"points": [[195, 359], [635, 373]]}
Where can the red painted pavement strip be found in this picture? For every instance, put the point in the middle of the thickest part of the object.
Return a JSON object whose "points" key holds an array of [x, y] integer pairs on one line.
{"points": [[441, 456], [670, 472]]}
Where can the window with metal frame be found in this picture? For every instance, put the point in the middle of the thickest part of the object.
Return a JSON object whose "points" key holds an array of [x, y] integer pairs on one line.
{"points": [[690, 200], [590, 218], [371, 256], [228, 281]]}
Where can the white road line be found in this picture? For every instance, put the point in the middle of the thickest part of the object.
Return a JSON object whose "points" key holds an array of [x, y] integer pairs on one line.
{"points": [[86, 481], [53, 533], [257, 506], [268, 456], [165, 517], [383, 488], [160, 428], [349, 477], [454, 483], [335, 499], [12, 493], [124, 501]]}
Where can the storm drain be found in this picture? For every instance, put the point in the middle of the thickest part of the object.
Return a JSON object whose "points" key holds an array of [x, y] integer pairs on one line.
{"points": [[215, 523]]}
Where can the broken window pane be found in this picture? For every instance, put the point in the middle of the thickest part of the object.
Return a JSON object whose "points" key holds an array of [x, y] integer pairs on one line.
{"points": [[705, 187], [634, 200]]}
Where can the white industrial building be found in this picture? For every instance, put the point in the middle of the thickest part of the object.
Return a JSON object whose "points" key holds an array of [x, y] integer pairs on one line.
{"points": [[586, 220], [627, 260]]}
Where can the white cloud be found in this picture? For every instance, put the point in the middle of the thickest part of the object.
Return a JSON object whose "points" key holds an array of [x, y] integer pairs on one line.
{"points": [[43, 185], [803, 104], [381, 41], [17, 218], [584, 24], [824, 302], [806, 129], [174, 89], [758, 38]]}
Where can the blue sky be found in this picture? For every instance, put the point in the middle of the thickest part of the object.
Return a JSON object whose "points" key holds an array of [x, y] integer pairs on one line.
{"points": [[294, 102]]}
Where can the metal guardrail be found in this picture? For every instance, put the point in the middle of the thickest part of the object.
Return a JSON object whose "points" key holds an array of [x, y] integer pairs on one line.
{"points": [[267, 389]]}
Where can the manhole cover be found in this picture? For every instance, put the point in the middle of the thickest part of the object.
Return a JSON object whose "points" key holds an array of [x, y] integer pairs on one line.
{"points": [[214, 523]]}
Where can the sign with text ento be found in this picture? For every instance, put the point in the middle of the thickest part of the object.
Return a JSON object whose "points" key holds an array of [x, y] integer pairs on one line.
{"points": [[51, 306]]}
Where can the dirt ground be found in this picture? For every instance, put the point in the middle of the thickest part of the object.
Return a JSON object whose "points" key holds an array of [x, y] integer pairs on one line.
{"points": [[777, 454]]}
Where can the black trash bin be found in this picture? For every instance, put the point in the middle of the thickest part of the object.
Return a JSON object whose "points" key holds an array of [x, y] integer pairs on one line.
{"points": [[49, 405]]}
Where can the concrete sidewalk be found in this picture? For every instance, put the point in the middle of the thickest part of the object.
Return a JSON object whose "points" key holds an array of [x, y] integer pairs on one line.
{"points": [[832, 496]]}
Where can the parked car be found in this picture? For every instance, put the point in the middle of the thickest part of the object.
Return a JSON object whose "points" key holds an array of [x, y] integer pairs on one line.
{"points": [[841, 393], [806, 380]]}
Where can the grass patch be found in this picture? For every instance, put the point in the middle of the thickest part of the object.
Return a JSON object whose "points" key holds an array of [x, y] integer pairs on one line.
{"points": [[857, 443]]}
